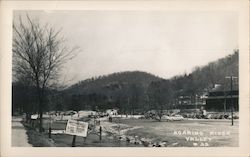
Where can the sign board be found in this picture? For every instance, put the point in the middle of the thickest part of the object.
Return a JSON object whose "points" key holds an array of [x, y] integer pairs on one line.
{"points": [[77, 128]]}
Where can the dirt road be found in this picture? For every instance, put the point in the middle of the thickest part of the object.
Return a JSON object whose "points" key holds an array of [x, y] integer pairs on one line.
{"points": [[19, 137]]}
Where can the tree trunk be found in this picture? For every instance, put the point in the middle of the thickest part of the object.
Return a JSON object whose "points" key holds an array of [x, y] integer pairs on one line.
{"points": [[40, 107], [41, 117]]}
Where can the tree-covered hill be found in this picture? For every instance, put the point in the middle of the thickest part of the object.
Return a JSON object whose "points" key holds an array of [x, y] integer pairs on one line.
{"points": [[164, 94], [124, 90], [205, 78], [112, 82], [136, 91]]}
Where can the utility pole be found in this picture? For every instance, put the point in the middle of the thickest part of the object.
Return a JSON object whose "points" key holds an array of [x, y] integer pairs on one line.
{"points": [[148, 103], [129, 106], [196, 101], [225, 103], [231, 94]]}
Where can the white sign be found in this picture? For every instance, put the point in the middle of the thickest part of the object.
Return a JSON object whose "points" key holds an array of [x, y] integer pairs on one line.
{"points": [[77, 128]]}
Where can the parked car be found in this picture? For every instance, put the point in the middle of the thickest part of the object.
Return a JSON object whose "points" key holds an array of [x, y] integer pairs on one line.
{"points": [[173, 118]]}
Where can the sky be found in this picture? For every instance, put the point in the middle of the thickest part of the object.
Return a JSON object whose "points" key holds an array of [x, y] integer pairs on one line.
{"points": [[164, 43]]}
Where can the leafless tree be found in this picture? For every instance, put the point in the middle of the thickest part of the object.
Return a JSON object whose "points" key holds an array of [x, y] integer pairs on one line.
{"points": [[39, 52]]}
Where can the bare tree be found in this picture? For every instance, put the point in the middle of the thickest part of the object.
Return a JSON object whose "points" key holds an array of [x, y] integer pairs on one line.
{"points": [[160, 94], [39, 53], [155, 99]]}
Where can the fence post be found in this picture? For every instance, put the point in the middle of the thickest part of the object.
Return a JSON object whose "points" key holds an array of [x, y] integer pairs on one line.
{"points": [[74, 141], [49, 132], [100, 136], [32, 124]]}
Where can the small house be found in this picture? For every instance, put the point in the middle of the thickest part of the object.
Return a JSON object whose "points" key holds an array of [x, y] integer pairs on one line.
{"points": [[112, 112]]}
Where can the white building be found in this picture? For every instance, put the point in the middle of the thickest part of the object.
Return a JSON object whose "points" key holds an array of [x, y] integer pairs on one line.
{"points": [[112, 112]]}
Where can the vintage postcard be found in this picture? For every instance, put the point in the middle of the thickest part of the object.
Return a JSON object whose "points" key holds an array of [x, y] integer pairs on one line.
{"points": [[124, 78]]}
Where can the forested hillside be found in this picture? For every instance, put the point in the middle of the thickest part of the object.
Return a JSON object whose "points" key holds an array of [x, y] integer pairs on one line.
{"points": [[123, 90], [137, 91], [113, 82], [204, 78], [164, 93]]}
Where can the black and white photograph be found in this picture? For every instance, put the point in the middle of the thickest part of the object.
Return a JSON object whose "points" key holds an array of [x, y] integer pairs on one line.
{"points": [[126, 78]]}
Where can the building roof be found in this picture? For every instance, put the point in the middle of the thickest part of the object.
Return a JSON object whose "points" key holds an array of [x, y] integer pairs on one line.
{"points": [[223, 94]]}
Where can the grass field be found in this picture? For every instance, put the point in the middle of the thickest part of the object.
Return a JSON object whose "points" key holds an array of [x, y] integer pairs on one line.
{"points": [[187, 133]]}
